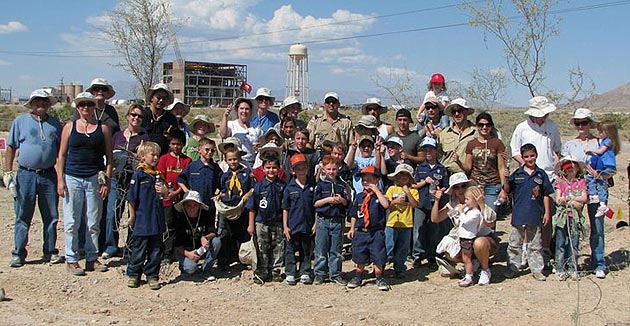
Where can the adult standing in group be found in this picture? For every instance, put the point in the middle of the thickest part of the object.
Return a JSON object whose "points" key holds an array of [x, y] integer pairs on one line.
{"points": [[453, 140], [83, 180], [241, 128], [291, 107], [264, 119], [125, 145], [373, 107], [544, 134], [35, 137], [332, 125], [411, 140], [485, 159], [105, 113], [583, 121], [180, 110], [157, 121]]}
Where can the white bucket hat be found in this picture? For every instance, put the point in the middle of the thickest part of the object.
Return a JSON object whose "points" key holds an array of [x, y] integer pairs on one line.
{"points": [[231, 141], [367, 121], [401, 168], [157, 87], [178, 101], [231, 213], [373, 101], [191, 195], [270, 131], [84, 97], [539, 106], [39, 93], [455, 179], [102, 82], [458, 102], [202, 118], [582, 113], [290, 100], [264, 92], [270, 148], [252, 104]]}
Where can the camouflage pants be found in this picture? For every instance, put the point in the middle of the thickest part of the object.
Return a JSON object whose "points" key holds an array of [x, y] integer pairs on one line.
{"points": [[532, 235], [270, 240]]}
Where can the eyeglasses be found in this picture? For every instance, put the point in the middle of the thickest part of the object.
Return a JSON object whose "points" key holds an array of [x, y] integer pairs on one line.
{"points": [[481, 125], [371, 108], [430, 107], [100, 89], [136, 115], [460, 110], [209, 150], [262, 99], [88, 104], [161, 97], [581, 123], [331, 102]]}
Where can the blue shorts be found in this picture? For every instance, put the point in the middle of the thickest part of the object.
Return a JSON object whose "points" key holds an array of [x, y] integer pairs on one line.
{"points": [[369, 247]]}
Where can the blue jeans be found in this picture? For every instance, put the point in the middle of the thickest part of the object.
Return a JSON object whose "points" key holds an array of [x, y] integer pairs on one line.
{"points": [[146, 256], [300, 242], [328, 242], [567, 250], [30, 187], [397, 244], [189, 266], [596, 238], [82, 202], [115, 208], [491, 194]]}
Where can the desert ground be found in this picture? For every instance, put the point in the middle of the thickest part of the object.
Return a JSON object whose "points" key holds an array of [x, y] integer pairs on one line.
{"points": [[40, 293]]}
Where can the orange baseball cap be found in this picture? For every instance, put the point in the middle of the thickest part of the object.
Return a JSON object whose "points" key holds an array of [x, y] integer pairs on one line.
{"points": [[297, 159], [370, 169]]}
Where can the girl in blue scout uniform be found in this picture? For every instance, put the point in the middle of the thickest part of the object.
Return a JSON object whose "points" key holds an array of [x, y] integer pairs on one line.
{"points": [[237, 185], [202, 175], [331, 200], [265, 220], [530, 210], [367, 229], [146, 218], [298, 218]]}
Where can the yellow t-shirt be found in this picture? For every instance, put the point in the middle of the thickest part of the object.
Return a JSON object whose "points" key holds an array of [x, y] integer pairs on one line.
{"points": [[400, 216]]}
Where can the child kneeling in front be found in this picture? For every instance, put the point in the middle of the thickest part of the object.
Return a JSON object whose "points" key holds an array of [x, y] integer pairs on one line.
{"points": [[146, 218], [367, 229], [470, 220]]}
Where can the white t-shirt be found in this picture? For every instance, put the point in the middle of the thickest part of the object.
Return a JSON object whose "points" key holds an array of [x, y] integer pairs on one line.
{"points": [[247, 136], [442, 96], [546, 139], [469, 222]]}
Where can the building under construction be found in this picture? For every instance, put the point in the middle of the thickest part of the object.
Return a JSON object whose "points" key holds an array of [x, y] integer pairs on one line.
{"points": [[204, 84]]}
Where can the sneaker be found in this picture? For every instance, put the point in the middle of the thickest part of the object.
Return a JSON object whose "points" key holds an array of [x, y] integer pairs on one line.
{"points": [[154, 284], [290, 280], [339, 280], [276, 277], [562, 276], [306, 279], [354, 283], [319, 279], [601, 210], [106, 255], [484, 277], [258, 280], [133, 282], [381, 284], [574, 276], [511, 272], [600, 274], [75, 269], [466, 281], [16, 261], [96, 265], [538, 276], [445, 268], [53, 259]]}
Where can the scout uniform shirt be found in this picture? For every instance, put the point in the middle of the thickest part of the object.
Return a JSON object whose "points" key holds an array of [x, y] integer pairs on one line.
{"points": [[529, 190], [298, 202], [266, 200], [323, 128]]}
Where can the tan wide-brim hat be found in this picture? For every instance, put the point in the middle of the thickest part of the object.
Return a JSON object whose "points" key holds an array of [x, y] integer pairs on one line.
{"points": [[231, 141], [458, 102], [40, 93], [177, 101], [84, 97], [202, 118], [373, 101], [102, 82], [157, 87], [539, 106]]}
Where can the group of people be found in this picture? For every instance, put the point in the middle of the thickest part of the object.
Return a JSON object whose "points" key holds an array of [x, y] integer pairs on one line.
{"points": [[399, 192]]}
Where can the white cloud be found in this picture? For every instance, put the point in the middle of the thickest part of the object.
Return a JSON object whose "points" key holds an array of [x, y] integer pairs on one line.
{"points": [[396, 72], [12, 27], [4, 63]]}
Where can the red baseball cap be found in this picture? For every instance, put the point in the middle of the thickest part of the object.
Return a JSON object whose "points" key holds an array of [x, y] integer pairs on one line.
{"points": [[437, 78], [297, 159]]}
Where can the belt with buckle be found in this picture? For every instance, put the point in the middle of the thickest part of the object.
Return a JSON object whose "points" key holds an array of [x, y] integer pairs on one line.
{"points": [[38, 171]]}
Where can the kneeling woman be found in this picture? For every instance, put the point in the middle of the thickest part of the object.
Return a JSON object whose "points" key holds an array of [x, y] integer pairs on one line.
{"points": [[486, 243]]}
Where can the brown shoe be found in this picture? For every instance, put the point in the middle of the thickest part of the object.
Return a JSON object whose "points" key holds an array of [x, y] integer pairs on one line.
{"points": [[75, 269], [95, 266]]}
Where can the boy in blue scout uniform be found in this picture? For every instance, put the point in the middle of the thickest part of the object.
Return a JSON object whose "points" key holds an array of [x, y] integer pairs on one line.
{"points": [[202, 175], [298, 217], [331, 199], [367, 229], [146, 218], [530, 210], [237, 184], [426, 234], [265, 220]]}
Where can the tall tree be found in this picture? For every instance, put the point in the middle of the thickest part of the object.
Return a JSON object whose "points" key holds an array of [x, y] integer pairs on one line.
{"points": [[524, 36], [140, 31], [486, 87]]}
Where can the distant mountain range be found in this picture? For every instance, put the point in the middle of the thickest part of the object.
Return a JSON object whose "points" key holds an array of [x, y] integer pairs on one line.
{"points": [[614, 100]]}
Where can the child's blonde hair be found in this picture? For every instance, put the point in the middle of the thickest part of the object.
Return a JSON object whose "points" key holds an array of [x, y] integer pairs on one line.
{"points": [[469, 194], [148, 147], [610, 128]]}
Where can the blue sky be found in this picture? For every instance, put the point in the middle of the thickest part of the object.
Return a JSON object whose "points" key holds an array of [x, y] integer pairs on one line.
{"points": [[595, 39]]}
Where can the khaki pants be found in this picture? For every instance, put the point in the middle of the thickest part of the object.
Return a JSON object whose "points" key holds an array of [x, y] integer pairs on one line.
{"points": [[532, 234]]}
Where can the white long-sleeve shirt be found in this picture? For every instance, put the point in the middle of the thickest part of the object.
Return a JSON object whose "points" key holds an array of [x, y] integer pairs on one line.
{"points": [[545, 137]]}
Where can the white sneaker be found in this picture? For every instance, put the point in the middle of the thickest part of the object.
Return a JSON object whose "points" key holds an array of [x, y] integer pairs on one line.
{"points": [[600, 273], [601, 210], [484, 277], [446, 269]]}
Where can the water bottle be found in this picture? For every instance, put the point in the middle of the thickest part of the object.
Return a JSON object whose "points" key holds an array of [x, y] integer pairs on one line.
{"points": [[13, 189], [500, 201], [201, 251], [159, 183]]}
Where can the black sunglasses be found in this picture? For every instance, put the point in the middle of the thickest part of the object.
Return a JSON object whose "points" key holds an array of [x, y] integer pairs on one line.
{"points": [[481, 124], [331, 102], [136, 115], [582, 123], [100, 89], [430, 107], [88, 104]]}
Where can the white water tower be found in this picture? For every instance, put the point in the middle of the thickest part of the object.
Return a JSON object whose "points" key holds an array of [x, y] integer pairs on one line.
{"points": [[297, 73]]}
